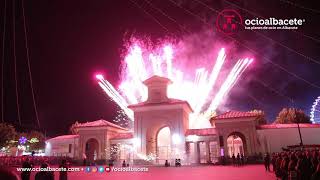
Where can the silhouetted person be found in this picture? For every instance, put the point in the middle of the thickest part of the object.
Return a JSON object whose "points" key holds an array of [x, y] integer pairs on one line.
{"points": [[25, 175], [316, 174], [278, 170], [314, 161], [293, 175], [242, 159], [267, 162], [111, 162], [299, 166], [124, 163], [84, 157], [238, 159], [6, 174], [309, 170], [44, 175], [233, 159], [273, 162], [178, 162], [166, 163], [63, 175], [284, 167]]}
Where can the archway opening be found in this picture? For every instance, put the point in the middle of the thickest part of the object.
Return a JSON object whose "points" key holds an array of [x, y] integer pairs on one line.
{"points": [[236, 144], [92, 149], [163, 145]]}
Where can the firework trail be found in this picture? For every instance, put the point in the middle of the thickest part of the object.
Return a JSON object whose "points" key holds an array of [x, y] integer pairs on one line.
{"points": [[141, 64], [315, 111]]}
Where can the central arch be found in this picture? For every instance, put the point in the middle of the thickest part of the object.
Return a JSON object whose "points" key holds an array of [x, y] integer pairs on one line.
{"points": [[163, 145], [236, 143], [92, 149]]}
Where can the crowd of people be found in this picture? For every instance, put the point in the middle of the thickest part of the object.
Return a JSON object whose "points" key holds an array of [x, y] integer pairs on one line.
{"points": [[287, 165], [239, 160], [17, 161], [294, 165], [29, 162]]}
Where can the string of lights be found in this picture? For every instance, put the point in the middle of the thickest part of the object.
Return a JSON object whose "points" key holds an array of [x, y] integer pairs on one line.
{"points": [[151, 16], [169, 17], [29, 66], [15, 60], [2, 62]]}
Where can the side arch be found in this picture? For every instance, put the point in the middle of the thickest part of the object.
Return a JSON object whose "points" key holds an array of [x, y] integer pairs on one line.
{"points": [[92, 148], [241, 146]]}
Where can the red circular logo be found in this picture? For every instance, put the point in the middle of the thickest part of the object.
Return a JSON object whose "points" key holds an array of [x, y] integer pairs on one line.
{"points": [[229, 21]]}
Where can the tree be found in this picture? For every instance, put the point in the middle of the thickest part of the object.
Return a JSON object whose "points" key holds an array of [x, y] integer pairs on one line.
{"points": [[292, 115], [7, 134], [260, 116], [36, 140]]}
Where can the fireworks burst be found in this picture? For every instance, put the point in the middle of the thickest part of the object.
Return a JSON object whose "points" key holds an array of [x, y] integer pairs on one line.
{"points": [[141, 64]]}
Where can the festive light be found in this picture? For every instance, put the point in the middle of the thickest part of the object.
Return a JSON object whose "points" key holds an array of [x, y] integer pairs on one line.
{"points": [[198, 91], [136, 142], [176, 139], [23, 140], [21, 147], [315, 111], [33, 140]]}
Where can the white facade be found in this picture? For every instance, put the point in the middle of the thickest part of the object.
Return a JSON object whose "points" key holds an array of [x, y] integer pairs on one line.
{"points": [[275, 137], [66, 145]]}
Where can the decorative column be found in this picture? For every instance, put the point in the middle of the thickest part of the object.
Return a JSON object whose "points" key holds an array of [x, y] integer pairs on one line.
{"points": [[208, 151], [197, 152], [225, 146], [187, 149]]}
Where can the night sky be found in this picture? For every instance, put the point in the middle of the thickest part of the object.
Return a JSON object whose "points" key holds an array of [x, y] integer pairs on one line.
{"points": [[70, 41]]}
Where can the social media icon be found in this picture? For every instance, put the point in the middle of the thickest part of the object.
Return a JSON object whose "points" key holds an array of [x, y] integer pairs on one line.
{"points": [[94, 169], [108, 169], [87, 169], [101, 169]]}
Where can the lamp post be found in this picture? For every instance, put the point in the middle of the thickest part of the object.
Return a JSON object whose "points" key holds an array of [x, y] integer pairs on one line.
{"points": [[301, 142], [298, 121]]}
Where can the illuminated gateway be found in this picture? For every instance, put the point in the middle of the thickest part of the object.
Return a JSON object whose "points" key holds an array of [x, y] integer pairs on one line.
{"points": [[161, 132]]}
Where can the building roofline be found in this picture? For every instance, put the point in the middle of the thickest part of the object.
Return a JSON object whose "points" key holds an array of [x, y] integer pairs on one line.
{"points": [[201, 132], [68, 136], [155, 77], [100, 123], [240, 114], [285, 126], [174, 102]]}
